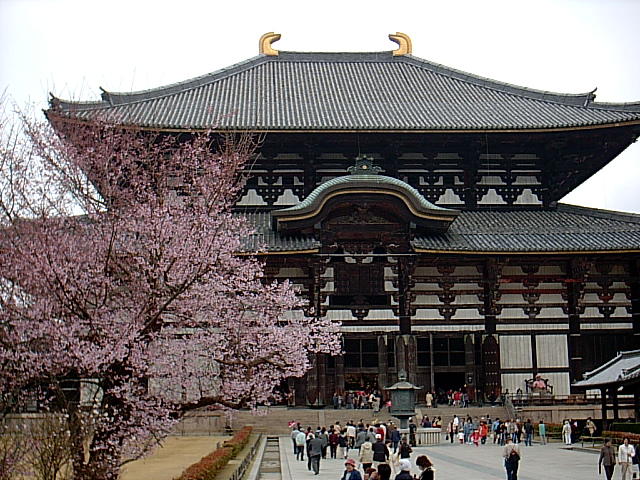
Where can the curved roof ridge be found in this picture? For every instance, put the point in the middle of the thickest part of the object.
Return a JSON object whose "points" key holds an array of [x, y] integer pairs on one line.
{"points": [[620, 106], [599, 212], [349, 180], [579, 99], [118, 98]]}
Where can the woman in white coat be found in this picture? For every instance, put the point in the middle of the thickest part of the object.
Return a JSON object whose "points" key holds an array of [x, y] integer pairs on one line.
{"points": [[566, 432]]}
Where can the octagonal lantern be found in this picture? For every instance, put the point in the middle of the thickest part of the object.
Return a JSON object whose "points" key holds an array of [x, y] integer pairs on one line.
{"points": [[403, 399]]}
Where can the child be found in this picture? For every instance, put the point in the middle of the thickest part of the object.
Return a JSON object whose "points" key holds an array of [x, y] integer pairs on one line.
{"points": [[461, 437], [475, 437]]}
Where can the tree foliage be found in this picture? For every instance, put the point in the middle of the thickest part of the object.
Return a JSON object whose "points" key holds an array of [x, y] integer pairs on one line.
{"points": [[119, 267]]}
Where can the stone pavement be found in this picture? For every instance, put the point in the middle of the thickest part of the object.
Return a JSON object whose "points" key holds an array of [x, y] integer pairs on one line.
{"points": [[550, 462]]}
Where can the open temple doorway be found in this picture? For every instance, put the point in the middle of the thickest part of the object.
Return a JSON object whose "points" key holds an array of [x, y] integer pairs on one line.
{"points": [[445, 381]]}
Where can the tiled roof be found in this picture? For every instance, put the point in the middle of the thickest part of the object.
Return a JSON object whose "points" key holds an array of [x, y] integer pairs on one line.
{"points": [[623, 368], [346, 91], [266, 239], [566, 229]]}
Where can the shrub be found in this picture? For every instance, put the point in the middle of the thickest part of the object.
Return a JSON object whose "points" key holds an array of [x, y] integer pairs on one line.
{"points": [[209, 466]]}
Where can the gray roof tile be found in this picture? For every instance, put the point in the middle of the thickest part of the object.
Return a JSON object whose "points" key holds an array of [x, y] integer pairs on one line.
{"points": [[567, 229], [624, 367], [345, 91]]}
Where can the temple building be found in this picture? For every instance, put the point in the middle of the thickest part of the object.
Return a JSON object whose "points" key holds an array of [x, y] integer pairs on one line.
{"points": [[418, 205]]}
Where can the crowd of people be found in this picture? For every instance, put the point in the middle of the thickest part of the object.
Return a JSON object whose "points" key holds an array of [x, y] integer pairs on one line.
{"points": [[381, 453]]}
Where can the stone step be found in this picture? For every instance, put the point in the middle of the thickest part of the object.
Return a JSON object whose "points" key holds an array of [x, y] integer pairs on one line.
{"points": [[275, 420]]}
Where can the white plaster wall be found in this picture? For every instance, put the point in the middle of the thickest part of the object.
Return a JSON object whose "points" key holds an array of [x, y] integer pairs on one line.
{"points": [[427, 314], [532, 326], [514, 381], [554, 312], [560, 382], [551, 270], [512, 313], [606, 326], [448, 328], [551, 298], [515, 351], [552, 351]]}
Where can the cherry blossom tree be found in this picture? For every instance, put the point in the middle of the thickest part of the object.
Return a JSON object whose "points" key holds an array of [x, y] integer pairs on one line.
{"points": [[120, 272]]}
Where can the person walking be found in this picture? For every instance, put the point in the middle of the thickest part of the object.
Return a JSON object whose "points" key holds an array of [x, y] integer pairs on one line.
{"points": [[626, 453], [384, 472], [542, 431], [334, 441], [429, 399], [294, 434], [350, 472], [366, 455], [301, 441], [315, 452], [607, 459], [405, 449], [395, 438], [426, 468], [528, 433], [566, 432], [380, 451], [511, 454], [405, 470]]}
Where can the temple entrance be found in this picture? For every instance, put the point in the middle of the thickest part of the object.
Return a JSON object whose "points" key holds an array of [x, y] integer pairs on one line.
{"points": [[355, 382], [449, 381]]}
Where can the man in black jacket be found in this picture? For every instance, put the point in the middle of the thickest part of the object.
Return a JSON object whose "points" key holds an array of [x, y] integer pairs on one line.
{"points": [[380, 451]]}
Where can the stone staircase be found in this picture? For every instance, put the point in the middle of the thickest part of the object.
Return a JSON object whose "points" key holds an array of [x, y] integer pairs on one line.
{"points": [[275, 420]]}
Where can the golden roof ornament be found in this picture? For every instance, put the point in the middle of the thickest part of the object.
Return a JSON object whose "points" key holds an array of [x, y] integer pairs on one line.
{"points": [[265, 43], [404, 43]]}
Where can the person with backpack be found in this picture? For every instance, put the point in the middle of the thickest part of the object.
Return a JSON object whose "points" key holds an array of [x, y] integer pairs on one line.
{"points": [[512, 455]]}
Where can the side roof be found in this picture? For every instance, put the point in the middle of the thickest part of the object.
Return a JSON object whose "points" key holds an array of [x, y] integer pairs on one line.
{"points": [[346, 91], [623, 368], [566, 230]]}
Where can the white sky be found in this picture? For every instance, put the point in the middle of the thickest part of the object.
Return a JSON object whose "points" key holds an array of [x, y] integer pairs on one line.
{"points": [[72, 47]]}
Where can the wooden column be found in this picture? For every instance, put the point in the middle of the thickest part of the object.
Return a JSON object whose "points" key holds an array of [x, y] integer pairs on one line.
{"points": [[636, 403], [491, 275], [471, 160], [404, 270], [635, 298], [340, 374], [603, 400], [576, 271], [383, 367], [323, 395], [616, 408]]}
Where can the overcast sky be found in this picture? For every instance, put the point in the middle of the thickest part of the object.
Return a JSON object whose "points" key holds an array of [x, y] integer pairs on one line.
{"points": [[71, 48]]}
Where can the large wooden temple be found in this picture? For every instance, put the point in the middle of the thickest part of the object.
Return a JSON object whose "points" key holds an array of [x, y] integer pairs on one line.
{"points": [[419, 206]]}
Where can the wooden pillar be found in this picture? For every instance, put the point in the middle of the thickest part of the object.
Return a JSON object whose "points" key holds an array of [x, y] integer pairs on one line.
{"points": [[635, 299], [404, 271], [616, 409], [470, 366], [636, 403], [432, 373], [406, 356], [491, 272], [471, 161], [603, 400], [576, 270], [323, 395], [383, 367], [340, 374]]}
